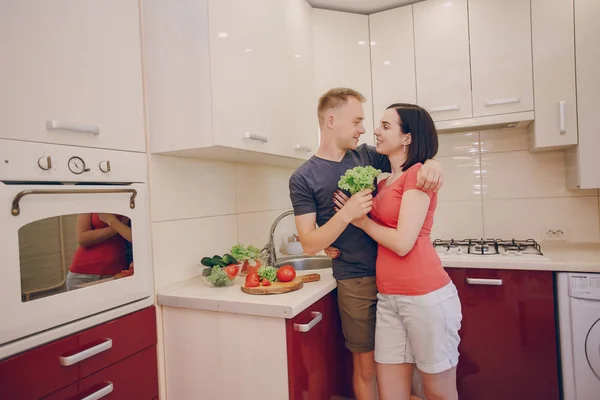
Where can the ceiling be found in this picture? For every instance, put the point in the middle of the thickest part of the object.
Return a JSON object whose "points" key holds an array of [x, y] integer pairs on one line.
{"points": [[360, 6]]}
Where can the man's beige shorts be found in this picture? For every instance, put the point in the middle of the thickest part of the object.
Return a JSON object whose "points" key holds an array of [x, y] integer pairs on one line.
{"points": [[357, 300], [419, 329]]}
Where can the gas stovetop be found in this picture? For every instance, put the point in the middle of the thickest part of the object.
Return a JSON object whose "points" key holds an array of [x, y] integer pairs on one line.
{"points": [[523, 249]]}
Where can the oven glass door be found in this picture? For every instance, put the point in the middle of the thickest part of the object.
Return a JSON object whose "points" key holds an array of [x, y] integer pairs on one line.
{"points": [[70, 251]]}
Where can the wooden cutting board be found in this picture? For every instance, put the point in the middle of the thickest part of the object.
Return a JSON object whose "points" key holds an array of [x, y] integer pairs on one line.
{"points": [[282, 287]]}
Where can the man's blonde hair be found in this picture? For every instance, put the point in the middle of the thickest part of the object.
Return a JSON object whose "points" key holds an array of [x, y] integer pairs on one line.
{"points": [[335, 98]]}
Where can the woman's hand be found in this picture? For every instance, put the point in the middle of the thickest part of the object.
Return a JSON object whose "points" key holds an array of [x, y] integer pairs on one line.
{"points": [[108, 219], [332, 252], [362, 201], [430, 176]]}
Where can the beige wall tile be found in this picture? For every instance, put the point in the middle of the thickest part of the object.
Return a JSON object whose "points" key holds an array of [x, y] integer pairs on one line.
{"points": [[455, 144], [253, 228], [499, 140], [529, 218], [262, 188], [190, 188], [458, 220], [522, 174], [179, 245], [462, 179]]}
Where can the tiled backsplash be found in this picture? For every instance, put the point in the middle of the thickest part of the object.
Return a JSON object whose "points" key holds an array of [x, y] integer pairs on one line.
{"points": [[201, 208], [495, 187]]}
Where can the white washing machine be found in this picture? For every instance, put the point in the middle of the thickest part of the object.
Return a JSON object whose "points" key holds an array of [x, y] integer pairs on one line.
{"points": [[579, 324]]}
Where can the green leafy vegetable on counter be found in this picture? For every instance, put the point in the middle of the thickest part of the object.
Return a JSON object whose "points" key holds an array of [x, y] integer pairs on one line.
{"points": [[218, 277], [359, 178], [242, 253], [268, 273]]}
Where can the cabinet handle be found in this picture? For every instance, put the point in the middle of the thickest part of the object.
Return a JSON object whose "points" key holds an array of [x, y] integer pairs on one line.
{"points": [[100, 393], [85, 354], [258, 138], [317, 317], [483, 281], [562, 111], [65, 126], [444, 108], [303, 148], [502, 101]]}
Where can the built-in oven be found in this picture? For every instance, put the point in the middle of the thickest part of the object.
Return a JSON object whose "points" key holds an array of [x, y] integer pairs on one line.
{"points": [[75, 244]]}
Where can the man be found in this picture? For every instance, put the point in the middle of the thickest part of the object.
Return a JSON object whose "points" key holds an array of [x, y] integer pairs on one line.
{"points": [[312, 185]]}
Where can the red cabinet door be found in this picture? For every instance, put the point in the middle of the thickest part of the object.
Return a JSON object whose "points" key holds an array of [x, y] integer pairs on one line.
{"points": [[37, 372], [134, 378], [306, 347], [129, 334], [508, 346], [338, 357]]}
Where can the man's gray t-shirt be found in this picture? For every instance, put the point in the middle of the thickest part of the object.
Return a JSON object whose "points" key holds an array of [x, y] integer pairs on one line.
{"points": [[311, 190]]}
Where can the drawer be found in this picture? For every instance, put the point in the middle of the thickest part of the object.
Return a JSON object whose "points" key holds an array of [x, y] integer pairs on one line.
{"points": [[129, 335], [38, 372], [134, 378], [51, 367]]}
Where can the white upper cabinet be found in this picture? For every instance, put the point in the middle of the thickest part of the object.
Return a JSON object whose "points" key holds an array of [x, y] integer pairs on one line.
{"points": [[342, 59], [71, 73], [553, 43], [392, 59], [246, 46], [300, 99], [442, 58], [501, 67], [583, 162], [230, 79]]}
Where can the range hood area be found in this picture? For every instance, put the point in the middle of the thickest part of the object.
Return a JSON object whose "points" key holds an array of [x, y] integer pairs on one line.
{"points": [[503, 121]]}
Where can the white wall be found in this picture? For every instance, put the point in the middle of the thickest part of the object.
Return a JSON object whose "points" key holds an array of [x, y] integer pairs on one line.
{"points": [[496, 188], [201, 208]]}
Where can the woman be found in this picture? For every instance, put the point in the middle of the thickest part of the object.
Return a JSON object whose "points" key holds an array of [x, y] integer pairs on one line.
{"points": [[102, 251], [418, 311]]}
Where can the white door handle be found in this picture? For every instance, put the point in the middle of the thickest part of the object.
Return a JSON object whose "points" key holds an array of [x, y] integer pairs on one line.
{"points": [[100, 393], [502, 101], [483, 281], [317, 317], [258, 138], [303, 148], [562, 111], [65, 126], [444, 108], [87, 353]]}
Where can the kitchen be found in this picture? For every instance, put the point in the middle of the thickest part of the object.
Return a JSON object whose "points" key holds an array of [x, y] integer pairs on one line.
{"points": [[190, 95]]}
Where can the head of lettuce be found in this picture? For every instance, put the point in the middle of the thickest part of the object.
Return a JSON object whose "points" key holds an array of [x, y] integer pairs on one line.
{"points": [[359, 178]]}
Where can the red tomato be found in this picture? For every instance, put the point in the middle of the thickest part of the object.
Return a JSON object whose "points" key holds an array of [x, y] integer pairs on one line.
{"points": [[231, 270], [286, 273], [252, 280], [266, 282]]}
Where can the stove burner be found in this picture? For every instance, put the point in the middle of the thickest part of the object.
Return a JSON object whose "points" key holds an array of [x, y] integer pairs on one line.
{"points": [[482, 248], [489, 246]]}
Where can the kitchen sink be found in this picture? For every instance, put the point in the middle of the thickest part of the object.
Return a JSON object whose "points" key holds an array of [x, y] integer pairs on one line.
{"points": [[304, 263]]}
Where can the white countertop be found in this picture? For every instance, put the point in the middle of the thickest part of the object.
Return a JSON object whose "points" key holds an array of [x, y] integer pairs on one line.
{"points": [[566, 258], [195, 294]]}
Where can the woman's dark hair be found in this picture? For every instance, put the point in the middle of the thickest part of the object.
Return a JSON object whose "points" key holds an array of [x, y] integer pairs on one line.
{"points": [[416, 121]]}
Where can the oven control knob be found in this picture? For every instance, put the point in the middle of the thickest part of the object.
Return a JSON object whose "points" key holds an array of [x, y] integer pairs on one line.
{"points": [[104, 166], [45, 163]]}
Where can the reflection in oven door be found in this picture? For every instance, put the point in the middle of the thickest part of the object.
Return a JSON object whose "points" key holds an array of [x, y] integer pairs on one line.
{"points": [[74, 251]]}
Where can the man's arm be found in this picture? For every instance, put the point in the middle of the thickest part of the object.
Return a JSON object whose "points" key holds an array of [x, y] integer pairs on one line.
{"points": [[315, 239]]}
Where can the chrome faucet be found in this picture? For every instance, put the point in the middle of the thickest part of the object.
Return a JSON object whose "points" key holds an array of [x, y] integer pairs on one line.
{"points": [[270, 247]]}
